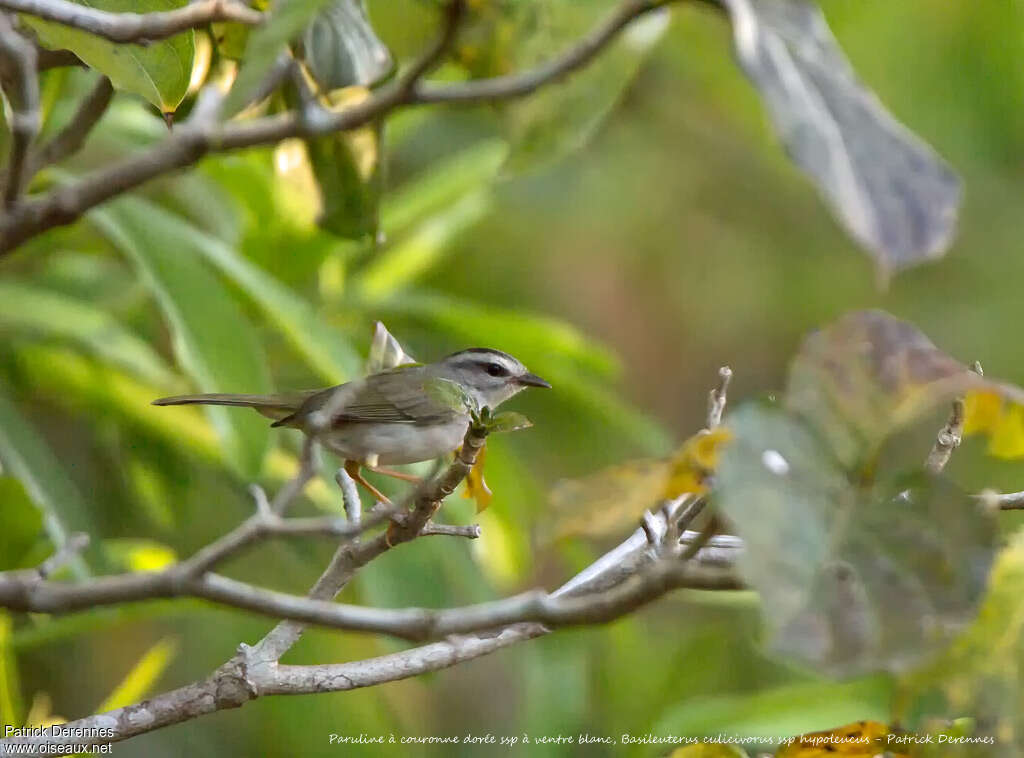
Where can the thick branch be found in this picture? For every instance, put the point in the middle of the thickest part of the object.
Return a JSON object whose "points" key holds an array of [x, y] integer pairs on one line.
{"points": [[136, 27]]}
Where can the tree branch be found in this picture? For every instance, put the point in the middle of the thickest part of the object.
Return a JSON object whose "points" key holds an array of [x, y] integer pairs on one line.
{"points": [[21, 82], [199, 137], [136, 27], [71, 138]]}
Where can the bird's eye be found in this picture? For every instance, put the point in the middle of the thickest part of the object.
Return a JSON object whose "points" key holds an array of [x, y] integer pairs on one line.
{"points": [[496, 369]]}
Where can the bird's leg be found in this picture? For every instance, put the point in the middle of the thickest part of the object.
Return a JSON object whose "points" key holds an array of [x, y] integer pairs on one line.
{"points": [[405, 477], [352, 469]]}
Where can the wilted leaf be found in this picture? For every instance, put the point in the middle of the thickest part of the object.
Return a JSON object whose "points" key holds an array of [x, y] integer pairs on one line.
{"points": [[385, 351], [694, 462], [476, 486], [862, 739], [159, 71], [451, 395], [868, 374], [890, 190], [22, 524], [508, 421], [341, 49], [852, 578], [609, 501], [981, 675], [615, 498]]}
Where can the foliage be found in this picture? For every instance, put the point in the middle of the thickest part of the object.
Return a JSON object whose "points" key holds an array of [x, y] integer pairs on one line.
{"points": [[679, 236]]}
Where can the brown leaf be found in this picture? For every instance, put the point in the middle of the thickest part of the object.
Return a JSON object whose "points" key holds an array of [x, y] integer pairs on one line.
{"points": [[869, 374], [614, 499]]}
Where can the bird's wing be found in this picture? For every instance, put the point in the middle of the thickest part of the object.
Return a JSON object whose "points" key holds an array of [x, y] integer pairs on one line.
{"points": [[395, 396]]}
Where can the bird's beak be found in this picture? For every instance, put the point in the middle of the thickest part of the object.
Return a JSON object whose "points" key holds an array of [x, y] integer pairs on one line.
{"points": [[532, 380]]}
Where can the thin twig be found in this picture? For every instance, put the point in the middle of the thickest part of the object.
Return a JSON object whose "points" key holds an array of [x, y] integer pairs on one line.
{"points": [[71, 138], [951, 434], [72, 547], [718, 397], [136, 27], [18, 60]]}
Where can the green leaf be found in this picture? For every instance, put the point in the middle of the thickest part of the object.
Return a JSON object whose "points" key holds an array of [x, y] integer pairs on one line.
{"points": [[562, 118], [26, 456], [341, 49], [781, 711], [981, 675], [74, 382], [347, 167], [508, 421], [408, 258], [159, 71], [285, 21], [451, 395], [441, 184], [326, 350], [23, 524], [48, 313], [852, 577], [10, 683], [213, 341]]}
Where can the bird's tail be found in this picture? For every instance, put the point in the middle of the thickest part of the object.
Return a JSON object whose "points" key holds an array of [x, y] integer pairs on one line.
{"points": [[272, 406]]}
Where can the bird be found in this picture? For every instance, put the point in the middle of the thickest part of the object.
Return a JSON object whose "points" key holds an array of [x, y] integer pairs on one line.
{"points": [[389, 417]]}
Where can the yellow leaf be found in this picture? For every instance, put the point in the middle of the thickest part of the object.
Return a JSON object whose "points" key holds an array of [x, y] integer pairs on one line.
{"points": [[40, 713], [861, 739], [981, 412], [694, 462], [608, 501], [615, 498], [10, 689], [476, 486], [1007, 438], [140, 555], [142, 677]]}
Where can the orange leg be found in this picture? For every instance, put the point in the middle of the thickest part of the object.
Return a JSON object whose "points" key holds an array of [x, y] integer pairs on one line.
{"points": [[352, 469], [395, 474]]}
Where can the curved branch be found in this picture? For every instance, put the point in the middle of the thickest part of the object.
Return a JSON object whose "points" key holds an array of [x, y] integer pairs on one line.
{"points": [[136, 27], [199, 137]]}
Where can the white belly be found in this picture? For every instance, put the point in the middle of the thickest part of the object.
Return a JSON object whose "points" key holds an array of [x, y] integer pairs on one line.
{"points": [[395, 443]]}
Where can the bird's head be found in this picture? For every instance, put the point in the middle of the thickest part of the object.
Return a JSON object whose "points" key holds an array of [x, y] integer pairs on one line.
{"points": [[491, 375]]}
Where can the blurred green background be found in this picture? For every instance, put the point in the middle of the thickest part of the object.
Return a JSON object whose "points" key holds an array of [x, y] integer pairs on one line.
{"points": [[676, 240]]}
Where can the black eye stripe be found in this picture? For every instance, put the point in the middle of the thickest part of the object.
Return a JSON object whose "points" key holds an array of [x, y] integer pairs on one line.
{"points": [[495, 369]]}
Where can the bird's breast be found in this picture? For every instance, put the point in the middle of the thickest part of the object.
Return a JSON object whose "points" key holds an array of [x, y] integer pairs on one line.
{"points": [[394, 443]]}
